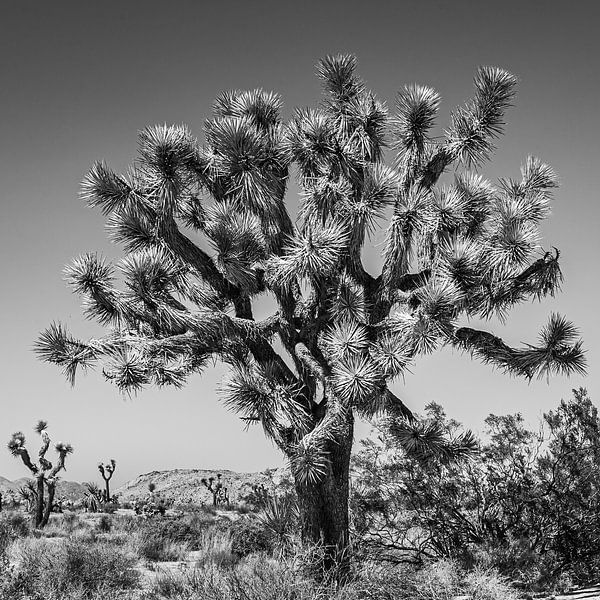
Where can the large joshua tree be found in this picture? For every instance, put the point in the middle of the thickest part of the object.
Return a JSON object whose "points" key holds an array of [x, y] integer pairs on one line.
{"points": [[43, 471], [206, 233]]}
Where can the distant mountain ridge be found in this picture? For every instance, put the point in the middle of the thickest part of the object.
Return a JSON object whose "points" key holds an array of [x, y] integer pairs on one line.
{"points": [[180, 485], [185, 485], [70, 490]]}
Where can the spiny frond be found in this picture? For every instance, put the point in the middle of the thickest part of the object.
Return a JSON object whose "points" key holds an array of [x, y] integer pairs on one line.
{"points": [[478, 196], [127, 369], [538, 177], [529, 200], [64, 448], [459, 262], [133, 227], [448, 208], [55, 345], [392, 353], [40, 426], [560, 351], [16, 443], [323, 197], [150, 274], [412, 218], [363, 125], [345, 339], [379, 190], [310, 461], [239, 242], [424, 440], [245, 158], [511, 245], [349, 303], [356, 378], [475, 125], [440, 299], [425, 334], [90, 276], [173, 373], [192, 213], [166, 150], [257, 394], [312, 254], [102, 187], [311, 142], [262, 108], [417, 107], [339, 78]]}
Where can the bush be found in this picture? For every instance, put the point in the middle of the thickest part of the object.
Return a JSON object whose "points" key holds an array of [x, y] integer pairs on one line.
{"points": [[104, 524], [248, 536], [109, 507], [215, 548], [46, 569], [18, 523], [183, 530], [152, 547]]}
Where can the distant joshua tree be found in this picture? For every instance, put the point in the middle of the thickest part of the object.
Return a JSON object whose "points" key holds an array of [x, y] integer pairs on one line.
{"points": [[107, 471], [43, 471], [454, 251], [219, 492]]}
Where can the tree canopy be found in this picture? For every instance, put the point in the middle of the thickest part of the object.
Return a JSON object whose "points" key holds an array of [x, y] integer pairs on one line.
{"points": [[206, 232]]}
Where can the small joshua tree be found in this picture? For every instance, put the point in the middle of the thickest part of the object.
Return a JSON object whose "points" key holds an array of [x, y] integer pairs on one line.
{"points": [[43, 471], [107, 471], [217, 489]]}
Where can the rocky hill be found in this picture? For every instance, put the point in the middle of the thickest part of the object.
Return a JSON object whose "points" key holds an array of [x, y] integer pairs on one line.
{"points": [[185, 485]]}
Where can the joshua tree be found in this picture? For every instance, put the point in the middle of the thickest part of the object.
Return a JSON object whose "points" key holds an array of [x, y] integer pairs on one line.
{"points": [[217, 489], [44, 473], [453, 251], [107, 471]]}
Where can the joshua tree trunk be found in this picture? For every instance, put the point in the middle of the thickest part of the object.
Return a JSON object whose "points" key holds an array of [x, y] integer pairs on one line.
{"points": [[39, 506], [323, 505], [107, 491], [49, 503]]}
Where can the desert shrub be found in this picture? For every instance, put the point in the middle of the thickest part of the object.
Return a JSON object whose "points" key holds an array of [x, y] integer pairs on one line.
{"points": [[104, 524], [109, 507], [153, 547], [256, 578], [17, 522], [183, 530], [47, 569], [526, 504], [249, 536], [126, 523]]}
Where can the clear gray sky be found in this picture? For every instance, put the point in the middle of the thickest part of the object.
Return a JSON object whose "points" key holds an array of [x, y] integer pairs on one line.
{"points": [[79, 79]]}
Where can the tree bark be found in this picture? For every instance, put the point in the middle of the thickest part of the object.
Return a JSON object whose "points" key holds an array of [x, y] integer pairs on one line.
{"points": [[323, 506], [49, 503], [106, 491], [39, 507]]}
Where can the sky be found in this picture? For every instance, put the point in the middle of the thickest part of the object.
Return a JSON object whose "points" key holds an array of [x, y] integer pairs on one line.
{"points": [[78, 80]]}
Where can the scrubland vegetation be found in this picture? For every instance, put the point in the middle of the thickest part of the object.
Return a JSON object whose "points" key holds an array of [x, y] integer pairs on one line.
{"points": [[514, 519]]}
